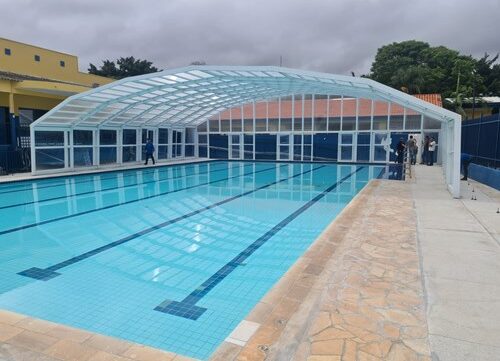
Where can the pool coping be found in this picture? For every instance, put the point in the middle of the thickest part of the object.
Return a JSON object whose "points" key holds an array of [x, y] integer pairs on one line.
{"points": [[27, 176], [277, 328], [309, 267]]}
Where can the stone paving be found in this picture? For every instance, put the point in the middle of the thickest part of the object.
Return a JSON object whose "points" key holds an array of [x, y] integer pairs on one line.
{"points": [[24, 338], [355, 295]]}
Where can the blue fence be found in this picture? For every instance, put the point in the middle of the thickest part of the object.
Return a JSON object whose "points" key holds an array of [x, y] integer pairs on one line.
{"points": [[481, 138]]}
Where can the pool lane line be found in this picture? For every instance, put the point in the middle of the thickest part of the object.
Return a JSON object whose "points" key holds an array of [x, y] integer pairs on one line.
{"points": [[111, 188], [82, 181], [187, 307], [126, 202], [45, 274]]}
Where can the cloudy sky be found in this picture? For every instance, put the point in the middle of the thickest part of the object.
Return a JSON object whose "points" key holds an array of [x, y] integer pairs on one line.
{"points": [[337, 36]]}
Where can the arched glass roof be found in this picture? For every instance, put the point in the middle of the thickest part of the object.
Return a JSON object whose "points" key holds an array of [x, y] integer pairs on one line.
{"points": [[188, 96]]}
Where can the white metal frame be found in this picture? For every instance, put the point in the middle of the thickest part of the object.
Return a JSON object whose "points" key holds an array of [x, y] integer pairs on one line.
{"points": [[185, 97]]}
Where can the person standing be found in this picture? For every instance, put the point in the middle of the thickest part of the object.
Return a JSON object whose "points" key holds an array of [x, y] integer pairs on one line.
{"points": [[425, 150], [432, 148], [411, 145], [465, 159], [401, 151], [150, 149]]}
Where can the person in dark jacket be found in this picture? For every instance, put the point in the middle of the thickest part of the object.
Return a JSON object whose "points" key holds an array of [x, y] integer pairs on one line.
{"points": [[150, 149], [465, 159], [401, 151]]}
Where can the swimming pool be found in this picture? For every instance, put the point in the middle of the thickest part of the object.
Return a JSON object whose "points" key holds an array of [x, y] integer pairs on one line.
{"points": [[172, 257]]}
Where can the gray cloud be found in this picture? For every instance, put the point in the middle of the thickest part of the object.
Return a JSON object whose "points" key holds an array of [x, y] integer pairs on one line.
{"points": [[324, 35]]}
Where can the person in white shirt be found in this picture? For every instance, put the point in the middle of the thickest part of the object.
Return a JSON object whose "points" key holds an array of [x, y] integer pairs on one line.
{"points": [[432, 148]]}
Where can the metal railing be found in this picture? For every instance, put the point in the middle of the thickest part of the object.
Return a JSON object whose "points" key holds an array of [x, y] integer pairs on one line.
{"points": [[15, 161]]}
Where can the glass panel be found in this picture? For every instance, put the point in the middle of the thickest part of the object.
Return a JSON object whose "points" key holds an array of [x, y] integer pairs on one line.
{"points": [[284, 139], [225, 125], [307, 139], [334, 113], [363, 154], [307, 152], [82, 137], [49, 138], [129, 154], [107, 155], [162, 151], [297, 150], [380, 137], [144, 136], [348, 123], [430, 123], [413, 120], [286, 124], [214, 125], [202, 127], [83, 157], [236, 125], [346, 152], [202, 139], [107, 137], [248, 152], [260, 125], [380, 114], [396, 118], [364, 123], [163, 136], [379, 154], [273, 125], [248, 124], [49, 158], [319, 124], [189, 150], [307, 124], [363, 138], [189, 135], [235, 139], [129, 136], [284, 152], [346, 138], [297, 124], [248, 139]]}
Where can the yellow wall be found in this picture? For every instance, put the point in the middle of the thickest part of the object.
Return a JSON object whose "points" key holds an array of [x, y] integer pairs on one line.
{"points": [[22, 61]]}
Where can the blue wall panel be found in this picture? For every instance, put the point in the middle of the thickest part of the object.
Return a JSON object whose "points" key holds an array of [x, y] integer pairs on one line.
{"points": [[265, 146], [325, 146], [219, 146]]}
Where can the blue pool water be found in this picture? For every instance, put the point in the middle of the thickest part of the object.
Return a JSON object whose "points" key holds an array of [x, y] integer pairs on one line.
{"points": [[172, 257]]}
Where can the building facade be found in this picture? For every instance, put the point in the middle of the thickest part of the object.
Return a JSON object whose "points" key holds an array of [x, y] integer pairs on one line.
{"points": [[33, 80]]}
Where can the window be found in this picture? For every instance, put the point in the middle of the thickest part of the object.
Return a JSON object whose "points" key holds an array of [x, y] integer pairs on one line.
{"points": [[37, 57], [7, 51], [62, 63]]}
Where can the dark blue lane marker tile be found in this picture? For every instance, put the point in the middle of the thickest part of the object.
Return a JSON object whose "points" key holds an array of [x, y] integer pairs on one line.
{"points": [[45, 274], [127, 173], [122, 203], [187, 307], [111, 188]]}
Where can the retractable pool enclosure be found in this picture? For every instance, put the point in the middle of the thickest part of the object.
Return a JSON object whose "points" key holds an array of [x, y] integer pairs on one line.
{"points": [[240, 112]]}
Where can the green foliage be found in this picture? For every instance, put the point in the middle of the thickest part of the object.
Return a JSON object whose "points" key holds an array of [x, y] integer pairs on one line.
{"points": [[416, 67], [123, 68]]}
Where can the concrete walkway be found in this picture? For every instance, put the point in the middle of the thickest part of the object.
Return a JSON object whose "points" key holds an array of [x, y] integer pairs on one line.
{"points": [[459, 242]]}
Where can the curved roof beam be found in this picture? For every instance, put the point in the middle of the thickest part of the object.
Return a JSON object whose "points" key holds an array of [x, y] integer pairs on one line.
{"points": [[200, 91]]}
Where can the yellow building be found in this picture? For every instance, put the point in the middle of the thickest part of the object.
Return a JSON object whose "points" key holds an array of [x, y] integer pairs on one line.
{"points": [[33, 80]]}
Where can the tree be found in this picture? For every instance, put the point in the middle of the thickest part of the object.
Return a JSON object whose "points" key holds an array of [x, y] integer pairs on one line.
{"points": [[420, 68], [123, 68]]}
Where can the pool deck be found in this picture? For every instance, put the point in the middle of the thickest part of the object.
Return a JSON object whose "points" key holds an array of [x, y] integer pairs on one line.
{"points": [[405, 272], [15, 177]]}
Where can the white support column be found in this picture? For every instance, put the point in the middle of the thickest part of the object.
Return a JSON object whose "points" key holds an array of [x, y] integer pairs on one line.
{"points": [[254, 130], [71, 150], [33, 150], [67, 149], [170, 140], [455, 173], [138, 145], [95, 135], [119, 146]]}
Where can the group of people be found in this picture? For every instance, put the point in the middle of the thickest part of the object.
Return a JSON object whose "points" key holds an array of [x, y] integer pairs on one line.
{"points": [[429, 147]]}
